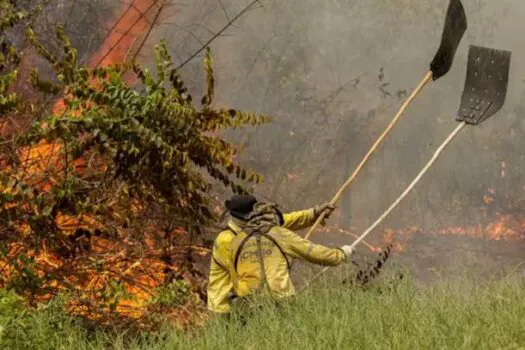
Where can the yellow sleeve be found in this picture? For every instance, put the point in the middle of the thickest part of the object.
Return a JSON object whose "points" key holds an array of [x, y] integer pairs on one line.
{"points": [[298, 247], [298, 220], [219, 284]]}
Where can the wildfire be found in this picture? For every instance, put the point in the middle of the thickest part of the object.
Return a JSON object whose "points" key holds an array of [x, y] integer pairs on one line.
{"points": [[129, 27], [43, 165], [292, 176], [125, 31], [140, 276], [388, 238], [351, 233], [503, 228]]}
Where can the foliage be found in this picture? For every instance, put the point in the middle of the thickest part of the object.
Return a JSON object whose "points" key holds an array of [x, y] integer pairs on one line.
{"points": [[104, 194], [9, 57], [23, 328], [177, 292], [453, 314]]}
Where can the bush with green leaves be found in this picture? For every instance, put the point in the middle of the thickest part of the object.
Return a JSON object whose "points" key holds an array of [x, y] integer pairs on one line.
{"points": [[127, 148]]}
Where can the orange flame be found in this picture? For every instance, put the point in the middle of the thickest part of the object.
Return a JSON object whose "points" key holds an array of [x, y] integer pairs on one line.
{"points": [[128, 27], [126, 31], [505, 227], [292, 176], [118, 44], [43, 165]]}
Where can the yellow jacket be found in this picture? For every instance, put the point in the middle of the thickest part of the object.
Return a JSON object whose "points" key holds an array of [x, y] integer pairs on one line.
{"points": [[245, 278]]}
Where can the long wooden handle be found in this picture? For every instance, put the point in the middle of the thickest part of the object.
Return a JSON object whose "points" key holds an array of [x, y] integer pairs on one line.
{"points": [[389, 128], [404, 194]]}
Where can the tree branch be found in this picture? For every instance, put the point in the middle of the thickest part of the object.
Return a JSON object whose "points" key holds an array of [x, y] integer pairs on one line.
{"points": [[228, 25]]}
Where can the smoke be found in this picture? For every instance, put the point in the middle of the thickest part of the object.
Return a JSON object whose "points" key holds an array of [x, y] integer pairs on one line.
{"points": [[333, 73]]}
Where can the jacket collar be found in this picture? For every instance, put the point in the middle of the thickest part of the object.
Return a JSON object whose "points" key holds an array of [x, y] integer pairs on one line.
{"points": [[236, 225]]}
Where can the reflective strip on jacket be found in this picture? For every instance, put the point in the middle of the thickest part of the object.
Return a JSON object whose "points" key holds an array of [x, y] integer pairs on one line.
{"points": [[225, 279]]}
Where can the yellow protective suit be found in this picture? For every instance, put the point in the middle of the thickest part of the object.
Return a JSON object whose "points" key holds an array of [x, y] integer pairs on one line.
{"points": [[278, 246]]}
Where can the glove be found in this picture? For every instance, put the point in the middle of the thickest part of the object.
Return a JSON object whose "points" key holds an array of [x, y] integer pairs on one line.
{"points": [[327, 208], [348, 250]]}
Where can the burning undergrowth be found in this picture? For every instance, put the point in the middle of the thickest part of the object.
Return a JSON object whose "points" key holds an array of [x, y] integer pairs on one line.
{"points": [[505, 227], [489, 247], [105, 197], [89, 210]]}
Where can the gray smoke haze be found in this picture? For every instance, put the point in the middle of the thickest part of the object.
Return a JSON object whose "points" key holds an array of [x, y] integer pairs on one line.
{"points": [[315, 66], [332, 74]]}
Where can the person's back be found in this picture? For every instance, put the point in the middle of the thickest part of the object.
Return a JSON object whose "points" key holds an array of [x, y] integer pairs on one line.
{"points": [[255, 254]]}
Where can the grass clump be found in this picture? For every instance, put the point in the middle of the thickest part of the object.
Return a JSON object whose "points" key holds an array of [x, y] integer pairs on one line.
{"points": [[46, 327], [452, 315]]}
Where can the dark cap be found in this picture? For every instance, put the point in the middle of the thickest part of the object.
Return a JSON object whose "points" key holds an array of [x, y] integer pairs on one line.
{"points": [[240, 206]]}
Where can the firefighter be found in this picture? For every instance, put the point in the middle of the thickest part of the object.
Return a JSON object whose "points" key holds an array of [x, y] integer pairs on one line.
{"points": [[256, 249]]}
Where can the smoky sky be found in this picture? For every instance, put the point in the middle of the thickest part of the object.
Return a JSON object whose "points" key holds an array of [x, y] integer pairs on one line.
{"points": [[333, 73]]}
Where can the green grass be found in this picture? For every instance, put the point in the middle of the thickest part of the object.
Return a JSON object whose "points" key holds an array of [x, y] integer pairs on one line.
{"points": [[448, 315]]}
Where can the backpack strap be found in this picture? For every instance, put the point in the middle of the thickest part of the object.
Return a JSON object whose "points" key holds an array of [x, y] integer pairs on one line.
{"points": [[266, 235], [262, 269], [238, 252], [274, 241]]}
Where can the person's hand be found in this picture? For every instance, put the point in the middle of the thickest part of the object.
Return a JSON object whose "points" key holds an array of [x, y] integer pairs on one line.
{"points": [[348, 250], [326, 208]]}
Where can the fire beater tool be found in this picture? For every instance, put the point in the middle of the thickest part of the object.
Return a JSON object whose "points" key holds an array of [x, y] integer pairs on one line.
{"points": [[454, 28], [483, 95]]}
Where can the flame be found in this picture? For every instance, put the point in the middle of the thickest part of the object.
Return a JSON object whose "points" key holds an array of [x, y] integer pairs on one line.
{"points": [[505, 227], [388, 238], [140, 277], [126, 31], [352, 233], [43, 165], [128, 27], [292, 176]]}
